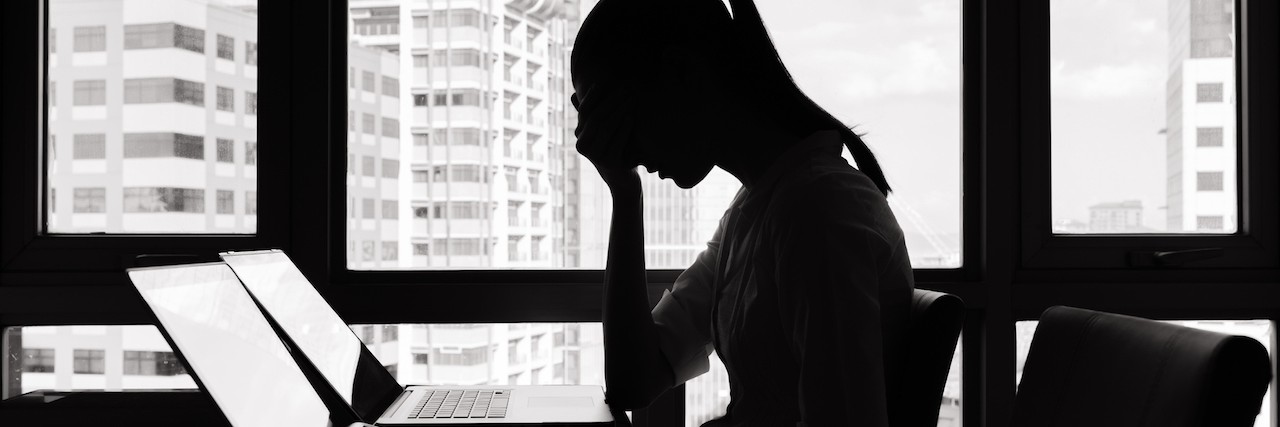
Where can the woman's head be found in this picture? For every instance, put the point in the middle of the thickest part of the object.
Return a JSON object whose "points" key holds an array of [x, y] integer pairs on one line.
{"points": [[658, 82]]}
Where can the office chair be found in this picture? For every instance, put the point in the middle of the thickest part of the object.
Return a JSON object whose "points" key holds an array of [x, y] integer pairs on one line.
{"points": [[931, 341], [1088, 368]]}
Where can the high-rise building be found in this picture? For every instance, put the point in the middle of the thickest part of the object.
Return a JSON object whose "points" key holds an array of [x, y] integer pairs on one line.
{"points": [[152, 117], [1201, 117], [374, 150], [1116, 217]]}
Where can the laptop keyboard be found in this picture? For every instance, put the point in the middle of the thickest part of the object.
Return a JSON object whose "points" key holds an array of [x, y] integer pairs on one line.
{"points": [[463, 404]]}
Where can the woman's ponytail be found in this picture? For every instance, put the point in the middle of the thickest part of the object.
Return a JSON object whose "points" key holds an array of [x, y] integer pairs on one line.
{"points": [[761, 68]]}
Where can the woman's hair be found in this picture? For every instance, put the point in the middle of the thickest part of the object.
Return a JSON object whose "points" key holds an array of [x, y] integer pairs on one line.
{"points": [[742, 48]]}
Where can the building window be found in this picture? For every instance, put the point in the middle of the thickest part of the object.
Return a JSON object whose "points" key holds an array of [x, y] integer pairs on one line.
{"points": [[37, 360], [1209, 137], [391, 86], [163, 199], [368, 123], [390, 127], [419, 100], [226, 47], [367, 251], [460, 173], [90, 39], [458, 247], [421, 249], [1208, 181], [152, 145], [152, 91], [467, 97], [390, 251], [368, 163], [368, 81], [160, 363], [250, 53], [250, 153], [466, 210], [1208, 92], [390, 209], [226, 151], [390, 168], [458, 58], [453, 356], [251, 103], [89, 200], [88, 361], [89, 92], [89, 146], [251, 202], [368, 208], [1209, 223], [390, 333], [226, 202], [226, 99], [421, 358], [151, 36]]}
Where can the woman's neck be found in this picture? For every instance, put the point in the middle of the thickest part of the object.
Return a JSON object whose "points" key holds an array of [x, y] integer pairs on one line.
{"points": [[750, 150]]}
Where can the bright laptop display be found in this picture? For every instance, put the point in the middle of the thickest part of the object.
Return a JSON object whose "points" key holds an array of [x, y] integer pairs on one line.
{"points": [[317, 330], [229, 346]]}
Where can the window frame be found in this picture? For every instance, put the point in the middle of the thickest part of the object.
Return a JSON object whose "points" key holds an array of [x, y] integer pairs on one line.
{"points": [[1256, 244], [1010, 272]]}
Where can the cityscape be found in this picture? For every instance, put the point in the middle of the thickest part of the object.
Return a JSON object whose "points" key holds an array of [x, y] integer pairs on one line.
{"points": [[461, 156]]}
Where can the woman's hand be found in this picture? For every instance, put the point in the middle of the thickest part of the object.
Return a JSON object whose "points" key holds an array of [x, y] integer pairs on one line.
{"points": [[606, 136]]}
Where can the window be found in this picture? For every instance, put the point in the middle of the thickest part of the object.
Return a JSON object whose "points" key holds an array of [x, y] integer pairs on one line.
{"points": [[1209, 223], [1208, 181], [90, 92], [368, 123], [250, 53], [226, 47], [367, 81], [1209, 137], [148, 200], [226, 151], [152, 36], [390, 86], [89, 146], [466, 97], [226, 202], [390, 168], [89, 200], [88, 361], [458, 247], [390, 127], [251, 103], [251, 202], [90, 39], [153, 363], [368, 164], [367, 251], [151, 91], [390, 251], [153, 145], [458, 58], [250, 153], [37, 360], [419, 100], [1134, 90], [390, 333], [421, 358], [226, 99], [369, 209], [390, 209], [1209, 92]]}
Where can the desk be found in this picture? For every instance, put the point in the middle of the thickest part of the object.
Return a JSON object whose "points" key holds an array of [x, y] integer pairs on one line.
{"points": [[133, 408]]}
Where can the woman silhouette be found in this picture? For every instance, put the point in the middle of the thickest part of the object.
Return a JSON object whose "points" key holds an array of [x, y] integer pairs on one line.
{"points": [[804, 290]]}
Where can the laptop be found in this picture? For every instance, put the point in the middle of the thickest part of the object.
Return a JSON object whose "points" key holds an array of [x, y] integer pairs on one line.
{"points": [[315, 329], [228, 346]]}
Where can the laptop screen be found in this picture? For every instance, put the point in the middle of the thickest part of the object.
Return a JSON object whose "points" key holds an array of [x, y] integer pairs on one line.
{"points": [[229, 346], [317, 330]]}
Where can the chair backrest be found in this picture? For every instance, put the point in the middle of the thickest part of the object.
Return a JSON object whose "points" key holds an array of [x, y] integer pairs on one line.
{"points": [[934, 327], [1088, 368]]}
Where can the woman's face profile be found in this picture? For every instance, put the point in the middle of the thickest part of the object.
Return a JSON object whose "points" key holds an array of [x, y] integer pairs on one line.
{"points": [[660, 127]]}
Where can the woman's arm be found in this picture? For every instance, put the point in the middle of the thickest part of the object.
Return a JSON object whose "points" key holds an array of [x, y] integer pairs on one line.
{"points": [[635, 370]]}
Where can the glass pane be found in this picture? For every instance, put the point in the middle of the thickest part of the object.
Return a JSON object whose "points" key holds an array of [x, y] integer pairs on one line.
{"points": [[1144, 116], [91, 357], [707, 397], [1262, 330], [461, 149], [489, 353], [152, 122]]}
